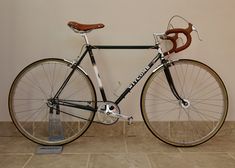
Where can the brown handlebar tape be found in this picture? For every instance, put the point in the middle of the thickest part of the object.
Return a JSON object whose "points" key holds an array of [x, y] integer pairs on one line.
{"points": [[174, 38]]}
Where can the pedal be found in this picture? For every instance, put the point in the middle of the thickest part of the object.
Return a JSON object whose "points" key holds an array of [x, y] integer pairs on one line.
{"points": [[130, 119]]}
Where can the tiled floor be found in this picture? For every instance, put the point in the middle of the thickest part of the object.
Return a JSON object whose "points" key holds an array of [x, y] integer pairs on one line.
{"points": [[120, 152]]}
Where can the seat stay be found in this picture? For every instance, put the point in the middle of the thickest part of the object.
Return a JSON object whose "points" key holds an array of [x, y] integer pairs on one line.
{"points": [[74, 67]]}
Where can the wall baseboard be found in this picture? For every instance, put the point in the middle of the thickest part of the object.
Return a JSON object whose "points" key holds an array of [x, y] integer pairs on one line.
{"points": [[138, 128]]}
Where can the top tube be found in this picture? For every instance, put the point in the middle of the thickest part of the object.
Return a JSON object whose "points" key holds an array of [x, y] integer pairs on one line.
{"points": [[123, 47]]}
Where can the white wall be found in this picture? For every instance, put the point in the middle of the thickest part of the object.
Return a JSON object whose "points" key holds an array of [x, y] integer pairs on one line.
{"points": [[34, 29]]}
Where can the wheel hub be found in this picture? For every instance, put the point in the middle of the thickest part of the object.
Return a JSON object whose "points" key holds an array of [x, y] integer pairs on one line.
{"points": [[185, 103]]}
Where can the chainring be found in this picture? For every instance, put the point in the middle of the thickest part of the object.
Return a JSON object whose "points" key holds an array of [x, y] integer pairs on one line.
{"points": [[106, 112]]}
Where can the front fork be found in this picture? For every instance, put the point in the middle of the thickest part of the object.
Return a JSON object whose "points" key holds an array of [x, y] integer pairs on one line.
{"points": [[171, 83]]}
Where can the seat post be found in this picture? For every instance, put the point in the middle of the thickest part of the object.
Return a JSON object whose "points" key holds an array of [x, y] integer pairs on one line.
{"points": [[84, 35]]}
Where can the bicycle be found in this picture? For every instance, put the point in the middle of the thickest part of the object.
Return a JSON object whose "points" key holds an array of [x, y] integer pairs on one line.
{"points": [[183, 102]]}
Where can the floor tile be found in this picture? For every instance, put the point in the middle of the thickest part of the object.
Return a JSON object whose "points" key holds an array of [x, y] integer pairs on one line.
{"points": [[118, 161], [58, 161], [8, 129], [137, 129], [147, 144], [191, 160], [232, 155], [219, 143], [96, 145], [101, 130], [16, 145], [228, 128], [133, 151], [168, 160], [13, 161]]}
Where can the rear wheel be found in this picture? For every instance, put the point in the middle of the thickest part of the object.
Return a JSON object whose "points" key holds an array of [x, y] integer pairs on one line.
{"points": [[33, 112], [190, 123]]}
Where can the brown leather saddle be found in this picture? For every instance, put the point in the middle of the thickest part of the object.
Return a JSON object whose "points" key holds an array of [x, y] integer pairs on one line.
{"points": [[84, 27]]}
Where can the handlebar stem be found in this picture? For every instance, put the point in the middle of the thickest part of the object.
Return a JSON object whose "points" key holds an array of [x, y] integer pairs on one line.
{"points": [[158, 37]]}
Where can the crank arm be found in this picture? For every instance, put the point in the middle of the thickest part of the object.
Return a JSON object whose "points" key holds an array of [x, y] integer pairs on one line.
{"points": [[125, 117]]}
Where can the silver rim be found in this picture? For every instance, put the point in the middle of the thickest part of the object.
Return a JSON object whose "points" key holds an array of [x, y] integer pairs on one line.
{"points": [[191, 124], [28, 102]]}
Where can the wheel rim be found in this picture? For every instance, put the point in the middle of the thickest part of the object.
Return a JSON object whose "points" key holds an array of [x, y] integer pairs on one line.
{"points": [[191, 124], [30, 95]]}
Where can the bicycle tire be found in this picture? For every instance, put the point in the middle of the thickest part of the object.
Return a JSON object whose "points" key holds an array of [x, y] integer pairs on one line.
{"points": [[28, 102], [171, 121]]}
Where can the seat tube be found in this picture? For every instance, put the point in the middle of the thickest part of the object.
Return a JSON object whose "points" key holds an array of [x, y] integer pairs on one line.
{"points": [[97, 73]]}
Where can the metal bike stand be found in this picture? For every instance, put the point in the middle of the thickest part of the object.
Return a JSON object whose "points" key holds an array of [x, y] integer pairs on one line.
{"points": [[56, 132], [49, 149]]}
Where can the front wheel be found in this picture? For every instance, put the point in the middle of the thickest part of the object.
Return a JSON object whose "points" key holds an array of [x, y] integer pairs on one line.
{"points": [[184, 124], [38, 116]]}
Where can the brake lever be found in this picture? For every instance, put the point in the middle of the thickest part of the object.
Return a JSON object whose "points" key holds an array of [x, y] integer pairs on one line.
{"points": [[193, 27], [198, 35]]}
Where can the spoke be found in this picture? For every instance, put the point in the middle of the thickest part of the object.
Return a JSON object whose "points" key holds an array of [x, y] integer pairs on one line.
{"points": [[195, 129], [202, 116], [76, 92], [159, 85], [178, 77], [74, 132], [163, 97], [162, 113], [180, 111], [206, 116], [203, 85], [191, 125], [48, 79], [158, 99], [36, 83], [32, 90], [33, 99], [30, 86], [28, 110], [33, 115], [44, 117], [195, 81], [161, 102]]}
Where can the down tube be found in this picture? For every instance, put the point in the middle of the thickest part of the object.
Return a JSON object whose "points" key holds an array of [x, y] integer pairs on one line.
{"points": [[140, 76]]}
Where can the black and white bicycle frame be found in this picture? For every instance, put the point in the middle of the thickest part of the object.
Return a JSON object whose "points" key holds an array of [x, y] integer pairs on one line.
{"points": [[88, 50]]}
